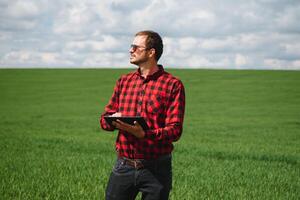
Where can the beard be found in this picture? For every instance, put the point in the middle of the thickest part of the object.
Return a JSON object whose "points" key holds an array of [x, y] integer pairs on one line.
{"points": [[138, 61]]}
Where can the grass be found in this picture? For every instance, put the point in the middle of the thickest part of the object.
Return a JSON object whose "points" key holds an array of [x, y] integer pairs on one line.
{"points": [[241, 135]]}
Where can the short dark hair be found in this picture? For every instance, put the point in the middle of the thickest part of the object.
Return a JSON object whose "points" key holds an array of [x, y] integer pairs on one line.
{"points": [[153, 41]]}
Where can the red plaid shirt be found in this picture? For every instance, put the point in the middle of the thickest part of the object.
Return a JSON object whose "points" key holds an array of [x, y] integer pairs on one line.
{"points": [[160, 99]]}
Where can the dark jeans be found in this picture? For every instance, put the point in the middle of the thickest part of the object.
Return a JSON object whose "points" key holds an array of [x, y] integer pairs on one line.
{"points": [[154, 180]]}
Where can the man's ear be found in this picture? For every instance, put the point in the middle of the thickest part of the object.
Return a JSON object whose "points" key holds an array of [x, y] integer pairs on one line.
{"points": [[151, 52]]}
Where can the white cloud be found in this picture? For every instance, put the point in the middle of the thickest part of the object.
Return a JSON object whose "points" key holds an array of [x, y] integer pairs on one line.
{"points": [[240, 60], [20, 15], [108, 43], [293, 49], [23, 9], [215, 34], [187, 43], [34, 59], [288, 20], [282, 64], [76, 19], [217, 44], [106, 60]]}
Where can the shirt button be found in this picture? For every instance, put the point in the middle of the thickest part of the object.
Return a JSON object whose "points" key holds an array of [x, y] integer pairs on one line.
{"points": [[140, 103]]}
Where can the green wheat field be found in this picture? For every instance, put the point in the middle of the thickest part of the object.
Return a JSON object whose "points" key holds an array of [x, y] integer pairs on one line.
{"points": [[241, 136]]}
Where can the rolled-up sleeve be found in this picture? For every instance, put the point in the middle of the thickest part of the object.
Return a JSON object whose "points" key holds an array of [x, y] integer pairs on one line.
{"points": [[174, 117], [111, 108]]}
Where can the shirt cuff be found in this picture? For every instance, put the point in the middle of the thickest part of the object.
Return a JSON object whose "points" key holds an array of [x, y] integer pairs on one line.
{"points": [[106, 126]]}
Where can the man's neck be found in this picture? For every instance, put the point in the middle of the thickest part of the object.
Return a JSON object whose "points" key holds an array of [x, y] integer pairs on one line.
{"points": [[147, 70]]}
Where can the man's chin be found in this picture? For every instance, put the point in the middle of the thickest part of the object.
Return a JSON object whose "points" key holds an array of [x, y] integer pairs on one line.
{"points": [[133, 62], [137, 62]]}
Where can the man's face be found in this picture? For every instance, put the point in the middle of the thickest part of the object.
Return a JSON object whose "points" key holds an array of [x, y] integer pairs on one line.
{"points": [[138, 50]]}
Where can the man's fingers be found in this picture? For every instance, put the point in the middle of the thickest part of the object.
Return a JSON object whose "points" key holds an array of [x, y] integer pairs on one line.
{"points": [[118, 123], [122, 123], [114, 123], [134, 129], [127, 127], [136, 123]]}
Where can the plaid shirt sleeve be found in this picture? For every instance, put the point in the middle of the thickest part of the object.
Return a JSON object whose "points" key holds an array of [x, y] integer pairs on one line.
{"points": [[111, 108], [174, 117]]}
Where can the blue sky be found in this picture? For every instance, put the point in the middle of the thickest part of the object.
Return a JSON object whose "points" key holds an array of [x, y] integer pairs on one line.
{"points": [[257, 34]]}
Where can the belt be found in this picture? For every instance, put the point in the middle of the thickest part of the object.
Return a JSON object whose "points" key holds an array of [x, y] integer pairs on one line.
{"points": [[137, 164], [140, 163]]}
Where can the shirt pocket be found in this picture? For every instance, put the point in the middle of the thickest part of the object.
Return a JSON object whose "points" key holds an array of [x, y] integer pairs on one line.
{"points": [[156, 104]]}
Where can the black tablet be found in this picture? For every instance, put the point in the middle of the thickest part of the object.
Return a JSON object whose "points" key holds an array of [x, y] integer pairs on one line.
{"points": [[128, 120]]}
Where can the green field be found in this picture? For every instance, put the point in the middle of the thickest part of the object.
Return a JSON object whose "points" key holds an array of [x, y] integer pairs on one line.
{"points": [[241, 135]]}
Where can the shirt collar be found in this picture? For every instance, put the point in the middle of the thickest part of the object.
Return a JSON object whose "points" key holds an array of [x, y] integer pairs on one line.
{"points": [[153, 76]]}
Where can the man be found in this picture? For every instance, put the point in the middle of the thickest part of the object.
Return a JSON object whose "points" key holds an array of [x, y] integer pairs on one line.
{"points": [[144, 156]]}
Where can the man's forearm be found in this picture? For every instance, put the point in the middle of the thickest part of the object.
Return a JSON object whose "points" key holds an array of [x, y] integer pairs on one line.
{"points": [[170, 133]]}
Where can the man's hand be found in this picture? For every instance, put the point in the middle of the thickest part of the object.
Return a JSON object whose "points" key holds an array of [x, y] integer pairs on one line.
{"points": [[117, 114], [135, 129]]}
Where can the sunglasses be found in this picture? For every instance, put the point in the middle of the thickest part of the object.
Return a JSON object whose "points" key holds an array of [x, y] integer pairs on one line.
{"points": [[135, 47]]}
